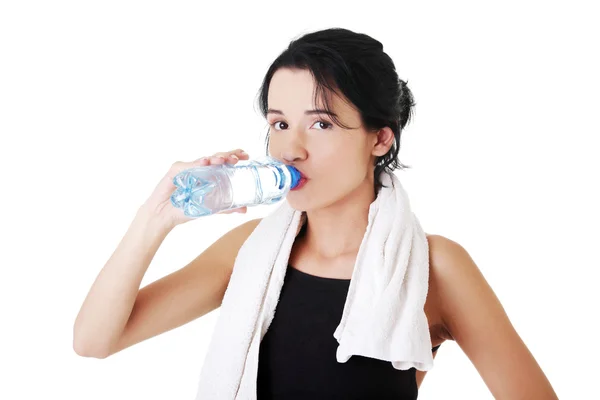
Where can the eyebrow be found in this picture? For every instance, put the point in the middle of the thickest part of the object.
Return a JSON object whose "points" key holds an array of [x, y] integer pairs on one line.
{"points": [[307, 112]]}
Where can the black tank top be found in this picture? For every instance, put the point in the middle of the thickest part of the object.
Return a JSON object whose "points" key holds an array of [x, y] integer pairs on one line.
{"points": [[297, 357]]}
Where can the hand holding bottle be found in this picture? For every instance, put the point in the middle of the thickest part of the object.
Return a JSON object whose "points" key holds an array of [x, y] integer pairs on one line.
{"points": [[159, 204]]}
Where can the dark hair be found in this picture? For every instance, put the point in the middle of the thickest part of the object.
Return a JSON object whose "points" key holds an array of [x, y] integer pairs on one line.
{"points": [[355, 64]]}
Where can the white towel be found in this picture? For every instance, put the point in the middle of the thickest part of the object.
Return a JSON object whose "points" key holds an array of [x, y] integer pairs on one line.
{"points": [[383, 315]]}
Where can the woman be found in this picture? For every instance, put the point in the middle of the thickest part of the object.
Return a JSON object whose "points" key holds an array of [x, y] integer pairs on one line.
{"points": [[336, 109]]}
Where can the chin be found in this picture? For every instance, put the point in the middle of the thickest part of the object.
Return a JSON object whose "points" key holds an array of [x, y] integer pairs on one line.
{"points": [[301, 202], [296, 204]]}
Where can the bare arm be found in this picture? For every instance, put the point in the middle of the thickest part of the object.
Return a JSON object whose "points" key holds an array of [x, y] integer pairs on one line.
{"points": [[186, 294], [116, 314], [475, 318], [108, 304]]}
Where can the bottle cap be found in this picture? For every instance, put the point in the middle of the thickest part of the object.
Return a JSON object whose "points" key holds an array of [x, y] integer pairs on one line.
{"points": [[296, 176]]}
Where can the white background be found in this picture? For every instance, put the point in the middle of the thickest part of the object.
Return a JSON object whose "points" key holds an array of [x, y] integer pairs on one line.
{"points": [[97, 99]]}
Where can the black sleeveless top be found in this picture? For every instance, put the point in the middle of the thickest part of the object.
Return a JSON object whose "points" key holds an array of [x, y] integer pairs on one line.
{"points": [[297, 357]]}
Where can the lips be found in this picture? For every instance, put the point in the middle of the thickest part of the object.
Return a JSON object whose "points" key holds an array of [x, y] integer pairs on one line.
{"points": [[300, 184], [301, 173], [302, 181]]}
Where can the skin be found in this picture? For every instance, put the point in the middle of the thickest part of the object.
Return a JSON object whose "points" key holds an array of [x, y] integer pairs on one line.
{"points": [[460, 306]]}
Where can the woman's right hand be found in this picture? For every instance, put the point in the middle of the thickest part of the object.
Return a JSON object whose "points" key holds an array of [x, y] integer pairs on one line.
{"points": [[159, 204]]}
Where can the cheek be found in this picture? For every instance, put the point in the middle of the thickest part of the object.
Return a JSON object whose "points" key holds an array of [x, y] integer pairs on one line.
{"points": [[340, 154], [342, 170], [336, 146], [353, 156]]}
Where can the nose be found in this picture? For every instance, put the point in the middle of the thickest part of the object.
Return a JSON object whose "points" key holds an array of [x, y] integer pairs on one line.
{"points": [[292, 149], [292, 156]]}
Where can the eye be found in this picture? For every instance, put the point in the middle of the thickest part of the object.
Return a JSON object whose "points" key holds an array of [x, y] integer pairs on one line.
{"points": [[326, 125], [322, 125], [275, 123]]}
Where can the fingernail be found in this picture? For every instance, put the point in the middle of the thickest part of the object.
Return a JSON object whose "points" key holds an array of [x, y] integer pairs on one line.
{"points": [[234, 157]]}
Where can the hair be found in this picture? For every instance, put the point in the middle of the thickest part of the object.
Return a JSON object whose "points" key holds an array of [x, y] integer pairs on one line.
{"points": [[354, 64]]}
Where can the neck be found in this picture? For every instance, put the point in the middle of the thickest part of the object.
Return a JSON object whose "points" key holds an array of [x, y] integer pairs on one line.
{"points": [[338, 229]]}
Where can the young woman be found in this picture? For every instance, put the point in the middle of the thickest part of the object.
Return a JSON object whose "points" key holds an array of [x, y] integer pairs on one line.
{"points": [[336, 109]]}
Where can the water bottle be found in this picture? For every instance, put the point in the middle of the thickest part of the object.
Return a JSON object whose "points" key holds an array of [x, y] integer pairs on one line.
{"points": [[210, 189]]}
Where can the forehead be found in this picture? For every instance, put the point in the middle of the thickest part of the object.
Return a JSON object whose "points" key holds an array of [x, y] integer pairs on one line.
{"points": [[293, 91], [291, 83]]}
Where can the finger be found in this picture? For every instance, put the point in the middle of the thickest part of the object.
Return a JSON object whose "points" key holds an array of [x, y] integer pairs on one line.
{"points": [[201, 161], [242, 155], [239, 153], [219, 159]]}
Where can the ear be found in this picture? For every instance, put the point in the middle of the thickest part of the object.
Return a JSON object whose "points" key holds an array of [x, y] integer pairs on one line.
{"points": [[383, 141]]}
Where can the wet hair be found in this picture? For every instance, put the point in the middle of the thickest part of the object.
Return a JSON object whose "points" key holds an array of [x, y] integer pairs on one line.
{"points": [[354, 64]]}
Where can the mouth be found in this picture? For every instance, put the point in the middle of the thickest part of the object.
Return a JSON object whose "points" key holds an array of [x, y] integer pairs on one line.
{"points": [[300, 184], [302, 174], [302, 181]]}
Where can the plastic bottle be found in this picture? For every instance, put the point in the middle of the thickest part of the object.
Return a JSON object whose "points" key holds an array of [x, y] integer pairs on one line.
{"points": [[209, 189]]}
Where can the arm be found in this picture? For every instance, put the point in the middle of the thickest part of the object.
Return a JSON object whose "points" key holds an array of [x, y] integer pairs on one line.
{"points": [[186, 294], [116, 314], [475, 318]]}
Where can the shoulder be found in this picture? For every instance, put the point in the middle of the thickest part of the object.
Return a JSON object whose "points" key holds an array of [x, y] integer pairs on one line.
{"points": [[451, 270], [475, 319], [250, 225], [241, 232], [444, 251], [229, 243], [446, 258], [463, 294], [450, 265]]}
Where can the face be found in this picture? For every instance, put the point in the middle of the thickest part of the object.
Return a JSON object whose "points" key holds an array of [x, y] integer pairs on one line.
{"points": [[337, 162]]}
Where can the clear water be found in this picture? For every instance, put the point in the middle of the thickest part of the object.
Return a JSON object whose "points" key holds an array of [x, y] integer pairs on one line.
{"points": [[206, 190]]}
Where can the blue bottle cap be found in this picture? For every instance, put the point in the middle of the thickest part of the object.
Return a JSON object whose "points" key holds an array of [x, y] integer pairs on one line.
{"points": [[296, 176]]}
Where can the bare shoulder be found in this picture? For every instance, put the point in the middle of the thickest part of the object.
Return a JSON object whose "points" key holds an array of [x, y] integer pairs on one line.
{"points": [[449, 265], [475, 318], [441, 247], [439, 253], [220, 256], [235, 238]]}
